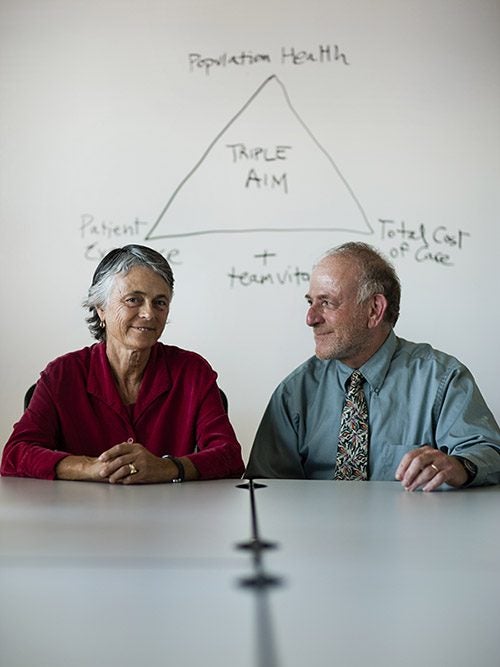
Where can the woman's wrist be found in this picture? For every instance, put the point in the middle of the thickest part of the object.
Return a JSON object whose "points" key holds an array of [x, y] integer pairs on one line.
{"points": [[181, 468], [76, 468], [181, 472]]}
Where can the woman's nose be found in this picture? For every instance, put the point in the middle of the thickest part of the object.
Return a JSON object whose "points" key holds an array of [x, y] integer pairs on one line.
{"points": [[146, 310]]}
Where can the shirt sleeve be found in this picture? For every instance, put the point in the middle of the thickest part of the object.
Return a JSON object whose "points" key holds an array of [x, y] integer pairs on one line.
{"points": [[275, 451], [466, 427]]}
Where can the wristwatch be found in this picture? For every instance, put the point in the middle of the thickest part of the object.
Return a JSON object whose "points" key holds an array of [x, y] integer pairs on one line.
{"points": [[180, 468], [470, 469]]}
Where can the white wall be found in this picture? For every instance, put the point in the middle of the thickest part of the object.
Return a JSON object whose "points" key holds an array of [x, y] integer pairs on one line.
{"points": [[113, 132]]}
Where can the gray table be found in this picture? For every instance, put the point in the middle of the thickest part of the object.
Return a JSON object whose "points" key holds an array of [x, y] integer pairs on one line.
{"points": [[379, 576], [93, 574]]}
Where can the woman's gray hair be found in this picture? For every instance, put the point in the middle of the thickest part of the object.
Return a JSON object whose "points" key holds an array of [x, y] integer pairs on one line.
{"points": [[376, 275], [120, 260]]}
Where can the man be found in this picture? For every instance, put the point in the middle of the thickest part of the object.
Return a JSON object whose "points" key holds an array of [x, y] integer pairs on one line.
{"points": [[409, 413]]}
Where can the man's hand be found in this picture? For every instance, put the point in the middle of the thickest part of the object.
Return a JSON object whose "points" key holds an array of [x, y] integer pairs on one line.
{"points": [[428, 468]]}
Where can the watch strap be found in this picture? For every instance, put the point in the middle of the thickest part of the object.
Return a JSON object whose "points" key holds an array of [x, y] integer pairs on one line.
{"points": [[181, 473]]}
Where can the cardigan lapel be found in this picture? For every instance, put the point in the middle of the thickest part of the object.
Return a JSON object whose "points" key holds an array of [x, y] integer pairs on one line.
{"points": [[100, 381], [155, 382]]}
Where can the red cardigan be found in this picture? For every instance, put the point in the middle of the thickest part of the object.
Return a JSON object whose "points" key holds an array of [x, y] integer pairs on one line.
{"points": [[76, 409]]}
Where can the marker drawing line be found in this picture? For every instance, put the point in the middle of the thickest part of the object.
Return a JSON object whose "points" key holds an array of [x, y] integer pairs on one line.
{"points": [[149, 236], [252, 230], [328, 157]]}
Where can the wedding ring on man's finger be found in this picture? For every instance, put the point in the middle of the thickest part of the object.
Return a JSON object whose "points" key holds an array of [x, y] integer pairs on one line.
{"points": [[132, 469], [435, 467]]}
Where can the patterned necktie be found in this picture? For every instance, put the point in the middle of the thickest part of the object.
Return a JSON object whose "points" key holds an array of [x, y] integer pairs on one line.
{"points": [[352, 451]]}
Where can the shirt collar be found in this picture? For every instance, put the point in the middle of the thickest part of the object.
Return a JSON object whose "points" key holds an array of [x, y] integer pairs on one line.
{"points": [[375, 369], [377, 366]]}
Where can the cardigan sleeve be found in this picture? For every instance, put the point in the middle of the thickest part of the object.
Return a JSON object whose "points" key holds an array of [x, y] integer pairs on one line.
{"points": [[31, 448], [180, 412], [217, 452]]}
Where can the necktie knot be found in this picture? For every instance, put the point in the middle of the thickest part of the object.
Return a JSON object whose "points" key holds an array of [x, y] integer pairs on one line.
{"points": [[355, 381]]}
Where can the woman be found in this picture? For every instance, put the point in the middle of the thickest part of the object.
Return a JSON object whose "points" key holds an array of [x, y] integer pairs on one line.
{"points": [[128, 409]]}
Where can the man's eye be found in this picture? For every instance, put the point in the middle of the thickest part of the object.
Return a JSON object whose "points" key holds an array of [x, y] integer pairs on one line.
{"points": [[161, 303]]}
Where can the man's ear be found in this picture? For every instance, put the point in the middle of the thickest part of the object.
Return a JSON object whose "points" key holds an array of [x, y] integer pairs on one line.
{"points": [[378, 306]]}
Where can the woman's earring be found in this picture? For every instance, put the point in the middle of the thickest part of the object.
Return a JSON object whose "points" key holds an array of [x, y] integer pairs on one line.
{"points": [[103, 324]]}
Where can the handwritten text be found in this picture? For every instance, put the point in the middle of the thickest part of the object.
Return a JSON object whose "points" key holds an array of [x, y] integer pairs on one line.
{"points": [[281, 277], [435, 245], [320, 55]]}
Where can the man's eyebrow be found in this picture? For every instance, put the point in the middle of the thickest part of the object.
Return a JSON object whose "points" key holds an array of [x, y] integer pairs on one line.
{"points": [[318, 296]]}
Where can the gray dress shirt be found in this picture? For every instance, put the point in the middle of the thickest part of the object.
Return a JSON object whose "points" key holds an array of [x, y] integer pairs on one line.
{"points": [[416, 396]]}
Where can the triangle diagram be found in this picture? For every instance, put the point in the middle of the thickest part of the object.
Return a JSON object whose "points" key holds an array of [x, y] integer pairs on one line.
{"points": [[264, 172]]}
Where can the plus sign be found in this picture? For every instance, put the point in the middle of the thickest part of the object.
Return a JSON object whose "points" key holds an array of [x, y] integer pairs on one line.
{"points": [[263, 256]]}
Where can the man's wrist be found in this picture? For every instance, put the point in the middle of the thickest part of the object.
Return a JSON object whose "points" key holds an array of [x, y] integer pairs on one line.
{"points": [[469, 467]]}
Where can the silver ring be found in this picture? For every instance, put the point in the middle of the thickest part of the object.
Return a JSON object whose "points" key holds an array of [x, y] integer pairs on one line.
{"points": [[435, 467], [133, 470]]}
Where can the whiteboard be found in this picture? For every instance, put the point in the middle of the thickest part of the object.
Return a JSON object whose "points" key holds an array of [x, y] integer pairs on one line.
{"points": [[242, 140]]}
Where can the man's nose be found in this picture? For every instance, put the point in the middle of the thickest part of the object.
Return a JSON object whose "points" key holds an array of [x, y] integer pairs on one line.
{"points": [[313, 316]]}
